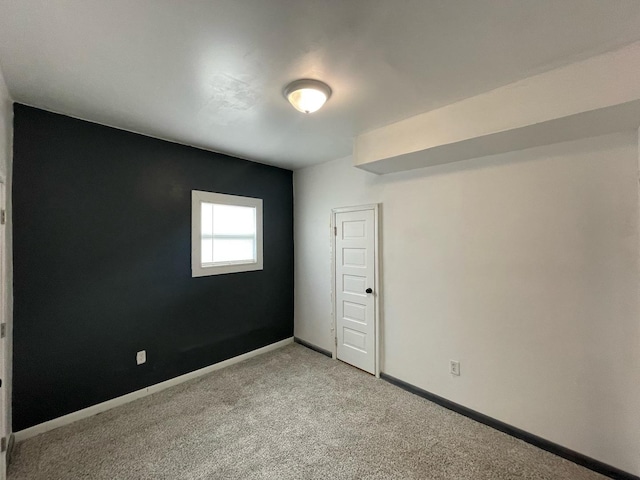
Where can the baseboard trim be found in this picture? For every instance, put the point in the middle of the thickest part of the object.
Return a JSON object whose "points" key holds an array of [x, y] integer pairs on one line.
{"points": [[571, 455], [313, 347], [130, 397]]}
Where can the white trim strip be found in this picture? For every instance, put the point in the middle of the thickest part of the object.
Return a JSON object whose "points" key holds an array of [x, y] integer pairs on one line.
{"points": [[130, 397]]}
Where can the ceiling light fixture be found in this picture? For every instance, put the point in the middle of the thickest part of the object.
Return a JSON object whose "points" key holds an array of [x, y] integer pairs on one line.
{"points": [[306, 95]]}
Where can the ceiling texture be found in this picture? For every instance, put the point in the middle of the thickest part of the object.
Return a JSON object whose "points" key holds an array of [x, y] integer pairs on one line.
{"points": [[211, 73]]}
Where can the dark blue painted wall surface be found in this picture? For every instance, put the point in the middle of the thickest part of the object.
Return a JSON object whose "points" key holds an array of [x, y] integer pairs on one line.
{"points": [[102, 266]]}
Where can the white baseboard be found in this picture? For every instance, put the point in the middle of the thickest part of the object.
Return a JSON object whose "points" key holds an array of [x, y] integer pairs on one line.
{"points": [[130, 397]]}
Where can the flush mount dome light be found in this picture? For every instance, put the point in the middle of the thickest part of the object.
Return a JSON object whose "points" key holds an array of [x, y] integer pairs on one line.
{"points": [[306, 95]]}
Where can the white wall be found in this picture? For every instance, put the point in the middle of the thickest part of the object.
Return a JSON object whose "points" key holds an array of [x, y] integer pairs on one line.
{"points": [[522, 266], [6, 147]]}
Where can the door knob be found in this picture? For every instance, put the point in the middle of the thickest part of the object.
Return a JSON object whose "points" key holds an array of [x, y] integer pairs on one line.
{"points": [[368, 290]]}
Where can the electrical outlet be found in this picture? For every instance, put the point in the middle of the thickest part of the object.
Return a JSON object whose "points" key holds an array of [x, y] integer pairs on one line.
{"points": [[454, 367], [141, 357]]}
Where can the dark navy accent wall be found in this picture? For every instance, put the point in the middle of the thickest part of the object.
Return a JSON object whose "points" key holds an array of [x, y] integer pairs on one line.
{"points": [[102, 264]]}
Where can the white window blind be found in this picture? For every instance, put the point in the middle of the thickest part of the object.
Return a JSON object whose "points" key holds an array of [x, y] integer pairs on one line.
{"points": [[228, 234]]}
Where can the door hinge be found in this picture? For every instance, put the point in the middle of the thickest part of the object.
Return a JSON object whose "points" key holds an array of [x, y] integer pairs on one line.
{"points": [[3, 444], [335, 230], [3, 330], [3, 217]]}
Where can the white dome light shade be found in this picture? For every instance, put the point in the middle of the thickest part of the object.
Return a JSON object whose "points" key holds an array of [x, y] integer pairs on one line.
{"points": [[307, 96], [307, 100]]}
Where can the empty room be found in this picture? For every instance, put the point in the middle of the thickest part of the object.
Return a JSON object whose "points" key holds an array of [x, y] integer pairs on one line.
{"points": [[304, 239]]}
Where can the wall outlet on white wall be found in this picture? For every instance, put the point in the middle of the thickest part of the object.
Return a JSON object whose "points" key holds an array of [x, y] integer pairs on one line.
{"points": [[454, 367], [141, 357]]}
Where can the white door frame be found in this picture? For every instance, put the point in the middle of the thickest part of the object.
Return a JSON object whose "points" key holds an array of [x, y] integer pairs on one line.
{"points": [[4, 362], [376, 292]]}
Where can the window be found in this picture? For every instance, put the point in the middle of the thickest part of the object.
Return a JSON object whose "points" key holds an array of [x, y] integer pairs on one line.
{"points": [[226, 234]]}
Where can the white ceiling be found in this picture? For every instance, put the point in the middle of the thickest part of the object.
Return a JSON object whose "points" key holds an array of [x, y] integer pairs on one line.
{"points": [[211, 73]]}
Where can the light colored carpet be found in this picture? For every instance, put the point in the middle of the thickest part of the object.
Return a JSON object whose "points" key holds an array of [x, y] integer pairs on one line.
{"points": [[288, 414]]}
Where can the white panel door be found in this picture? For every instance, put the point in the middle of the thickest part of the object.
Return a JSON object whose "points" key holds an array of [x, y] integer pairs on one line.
{"points": [[355, 280]]}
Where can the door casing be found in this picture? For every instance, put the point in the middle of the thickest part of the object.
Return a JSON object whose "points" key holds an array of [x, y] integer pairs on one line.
{"points": [[4, 361], [377, 293]]}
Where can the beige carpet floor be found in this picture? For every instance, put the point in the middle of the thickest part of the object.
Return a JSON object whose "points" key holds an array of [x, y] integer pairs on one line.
{"points": [[288, 414]]}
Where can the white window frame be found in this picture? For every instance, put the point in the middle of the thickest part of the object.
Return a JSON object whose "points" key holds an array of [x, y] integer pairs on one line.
{"points": [[197, 199]]}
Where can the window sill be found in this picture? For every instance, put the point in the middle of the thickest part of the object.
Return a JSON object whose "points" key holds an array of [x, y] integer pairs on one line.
{"points": [[222, 269]]}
